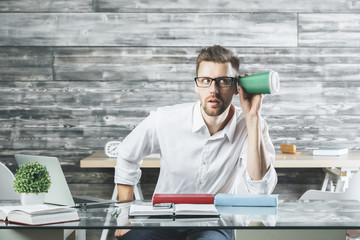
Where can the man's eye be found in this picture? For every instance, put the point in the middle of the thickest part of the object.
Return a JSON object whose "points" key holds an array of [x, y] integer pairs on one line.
{"points": [[224, 80], [205, 80]]}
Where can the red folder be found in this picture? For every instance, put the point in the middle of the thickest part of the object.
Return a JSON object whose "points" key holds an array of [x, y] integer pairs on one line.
{"points": [[187, 198]]}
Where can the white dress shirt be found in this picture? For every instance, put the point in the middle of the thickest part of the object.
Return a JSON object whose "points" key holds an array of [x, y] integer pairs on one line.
{"points": [[191, 160]]}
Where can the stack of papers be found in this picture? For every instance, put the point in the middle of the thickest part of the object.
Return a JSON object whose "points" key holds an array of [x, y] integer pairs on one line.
{"points": [[176, 210]]}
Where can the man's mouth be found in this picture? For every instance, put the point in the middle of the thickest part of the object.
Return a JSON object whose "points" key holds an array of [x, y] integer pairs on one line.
{"points": [[213, 102]]}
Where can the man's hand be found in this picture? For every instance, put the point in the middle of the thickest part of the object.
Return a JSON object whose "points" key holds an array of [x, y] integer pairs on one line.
{"points": [[121, 232], [250, 103]]}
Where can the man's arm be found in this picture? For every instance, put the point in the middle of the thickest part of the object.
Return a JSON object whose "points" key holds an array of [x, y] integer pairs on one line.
{"points": [[257, 161], [125, 192]]}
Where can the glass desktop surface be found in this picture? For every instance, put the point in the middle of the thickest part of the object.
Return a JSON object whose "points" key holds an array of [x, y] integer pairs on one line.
{"points": [[288, 215]]}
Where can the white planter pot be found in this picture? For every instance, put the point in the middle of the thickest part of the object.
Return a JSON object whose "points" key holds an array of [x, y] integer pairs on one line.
{"points": [[32, 198]]}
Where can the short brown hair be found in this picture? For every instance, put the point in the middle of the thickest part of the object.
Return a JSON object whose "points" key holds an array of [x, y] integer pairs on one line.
{"points": [[218, 54]]}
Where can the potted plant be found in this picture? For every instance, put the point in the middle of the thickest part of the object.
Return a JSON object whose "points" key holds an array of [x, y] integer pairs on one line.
{"points": [[32, 181]]}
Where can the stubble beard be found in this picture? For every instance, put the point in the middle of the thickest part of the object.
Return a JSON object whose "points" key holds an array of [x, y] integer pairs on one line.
{"points": [[214, 112]]}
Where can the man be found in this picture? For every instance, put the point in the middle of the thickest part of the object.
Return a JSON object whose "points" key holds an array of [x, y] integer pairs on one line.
{"points": [[206, 147]]}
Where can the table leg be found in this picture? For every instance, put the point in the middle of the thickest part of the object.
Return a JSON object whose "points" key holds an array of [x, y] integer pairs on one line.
{"points": [[325, 183]]}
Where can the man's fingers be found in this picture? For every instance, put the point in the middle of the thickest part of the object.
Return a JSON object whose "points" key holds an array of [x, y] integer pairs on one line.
{"points": [[242, 94], [121, 232]]}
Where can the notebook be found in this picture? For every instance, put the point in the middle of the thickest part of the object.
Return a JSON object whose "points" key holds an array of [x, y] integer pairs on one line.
{"points": [[59, 192]]}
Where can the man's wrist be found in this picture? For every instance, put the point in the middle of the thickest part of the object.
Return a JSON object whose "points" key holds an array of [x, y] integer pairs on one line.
{"points": [[251, 120]]}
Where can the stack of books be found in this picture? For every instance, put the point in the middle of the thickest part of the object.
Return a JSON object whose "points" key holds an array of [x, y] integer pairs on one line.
{"points": [[203, 205], [326, 151], [177, 205]]}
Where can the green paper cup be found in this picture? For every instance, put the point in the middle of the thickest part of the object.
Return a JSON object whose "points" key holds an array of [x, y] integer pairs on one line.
{"points": [[261, 83]]}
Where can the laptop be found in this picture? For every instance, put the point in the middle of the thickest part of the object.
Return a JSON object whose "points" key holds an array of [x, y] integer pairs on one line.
{"points": [[59, 192]]}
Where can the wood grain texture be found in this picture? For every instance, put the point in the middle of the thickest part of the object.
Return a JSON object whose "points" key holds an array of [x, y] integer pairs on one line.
{"points": [[26, 64], [166, 29], [125, 64], [178, 64], [125, 84], [226, 6], [76, 74], [46, 6], [329, 30]]}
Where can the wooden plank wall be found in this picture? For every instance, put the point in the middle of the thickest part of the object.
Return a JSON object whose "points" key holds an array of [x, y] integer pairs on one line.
{"points": [[76, 74]]}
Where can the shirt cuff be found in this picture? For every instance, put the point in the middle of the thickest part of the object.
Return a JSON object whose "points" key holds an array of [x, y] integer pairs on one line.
{"points": [[127, 173], [263, 186]]}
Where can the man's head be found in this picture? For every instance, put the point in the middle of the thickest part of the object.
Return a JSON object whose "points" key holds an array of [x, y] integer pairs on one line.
{"points": [[216, 62], [218, 54]]}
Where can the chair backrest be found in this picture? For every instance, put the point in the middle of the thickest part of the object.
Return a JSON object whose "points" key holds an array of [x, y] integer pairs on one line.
{"points": [[6, 184], [353, 191]]}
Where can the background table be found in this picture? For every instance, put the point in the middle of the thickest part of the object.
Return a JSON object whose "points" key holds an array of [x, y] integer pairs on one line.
{"points": [[305, 160], [339, 169]]}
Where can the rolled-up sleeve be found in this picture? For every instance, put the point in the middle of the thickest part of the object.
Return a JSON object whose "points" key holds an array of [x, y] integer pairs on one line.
{"points": [[263, 186], [141, 142]]}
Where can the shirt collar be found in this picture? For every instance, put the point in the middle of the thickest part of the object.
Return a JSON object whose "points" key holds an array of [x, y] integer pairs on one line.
{"points": [[229, 129]]}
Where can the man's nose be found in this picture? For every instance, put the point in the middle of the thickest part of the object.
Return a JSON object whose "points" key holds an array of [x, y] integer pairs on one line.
{"points": [[214, 88]]}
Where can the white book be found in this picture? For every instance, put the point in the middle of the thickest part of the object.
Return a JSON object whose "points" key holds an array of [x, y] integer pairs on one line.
{"points": [[325, 151], [38, 214], [177, 210]]}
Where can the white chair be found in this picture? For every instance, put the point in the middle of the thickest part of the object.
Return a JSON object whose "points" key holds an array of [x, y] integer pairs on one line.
{"points": [[6, 184], [351, 193]]}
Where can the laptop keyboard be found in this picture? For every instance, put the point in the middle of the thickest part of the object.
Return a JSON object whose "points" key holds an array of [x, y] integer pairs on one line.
{"points": [[83, 200]]}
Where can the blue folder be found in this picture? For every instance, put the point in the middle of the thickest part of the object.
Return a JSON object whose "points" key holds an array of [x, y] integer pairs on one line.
{"points": [[246, 200]]}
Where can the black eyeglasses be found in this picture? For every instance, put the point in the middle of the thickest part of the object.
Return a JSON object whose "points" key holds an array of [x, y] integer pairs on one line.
{"points": [[222, 82]]}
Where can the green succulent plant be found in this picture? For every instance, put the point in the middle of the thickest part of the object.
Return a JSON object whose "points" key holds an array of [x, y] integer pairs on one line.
{"points": [[32, 177]]}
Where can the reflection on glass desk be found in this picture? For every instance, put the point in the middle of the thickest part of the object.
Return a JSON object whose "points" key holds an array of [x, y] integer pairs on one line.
{"points": [[289, 214], [332, 217]]}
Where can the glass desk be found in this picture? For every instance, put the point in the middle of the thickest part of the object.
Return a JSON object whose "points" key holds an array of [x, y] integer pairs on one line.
{"points": [[291, 220]]}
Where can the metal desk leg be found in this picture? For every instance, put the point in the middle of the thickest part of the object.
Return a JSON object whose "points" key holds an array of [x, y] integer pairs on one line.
{"points": [[80, 234], [137, 192]]}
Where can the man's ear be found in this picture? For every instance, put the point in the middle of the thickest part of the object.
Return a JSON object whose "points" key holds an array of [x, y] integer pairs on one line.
{"points": [[236, 90]]}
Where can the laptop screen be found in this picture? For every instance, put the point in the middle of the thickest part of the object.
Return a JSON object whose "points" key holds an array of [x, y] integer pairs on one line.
{"points": [[59, 192]]}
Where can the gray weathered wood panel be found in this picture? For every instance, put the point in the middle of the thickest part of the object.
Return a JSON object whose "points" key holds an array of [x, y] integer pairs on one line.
{"points": [[26, 64], [76, 74], [227, 6], [329, 30], [178, 64], [92, 113], [130, 29], [83, 6], [74, 113], [46, 6], [125, 64]]}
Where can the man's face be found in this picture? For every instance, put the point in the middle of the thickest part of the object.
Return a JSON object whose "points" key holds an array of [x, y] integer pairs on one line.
{"points": [[215, 100]]}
